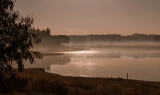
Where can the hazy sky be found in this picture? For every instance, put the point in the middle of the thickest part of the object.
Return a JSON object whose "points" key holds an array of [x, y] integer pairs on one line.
{"points": [[71, 17]]}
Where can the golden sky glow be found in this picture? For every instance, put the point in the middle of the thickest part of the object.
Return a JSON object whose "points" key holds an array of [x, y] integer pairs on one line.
{"points": [[74, 17]]}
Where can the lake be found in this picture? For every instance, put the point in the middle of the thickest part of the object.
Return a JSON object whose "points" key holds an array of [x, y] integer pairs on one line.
{"points": [[140, 61]]}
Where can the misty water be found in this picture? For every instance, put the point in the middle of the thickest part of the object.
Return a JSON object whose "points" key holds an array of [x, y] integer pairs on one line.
{"points": [[140, 61]]}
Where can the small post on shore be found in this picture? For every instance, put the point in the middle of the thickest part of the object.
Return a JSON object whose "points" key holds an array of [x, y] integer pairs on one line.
{"points": [[22, 67], [127, 76]]}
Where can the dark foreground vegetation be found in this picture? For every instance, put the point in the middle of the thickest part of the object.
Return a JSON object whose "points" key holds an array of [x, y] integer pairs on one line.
{"points": [[38, 82]]}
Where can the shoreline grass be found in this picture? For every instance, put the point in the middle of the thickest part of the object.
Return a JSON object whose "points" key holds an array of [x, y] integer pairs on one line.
{"points": [[39, 82]]}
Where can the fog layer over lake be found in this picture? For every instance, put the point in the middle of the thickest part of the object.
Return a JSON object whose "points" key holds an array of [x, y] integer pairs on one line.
{"points": [[140, 60]]}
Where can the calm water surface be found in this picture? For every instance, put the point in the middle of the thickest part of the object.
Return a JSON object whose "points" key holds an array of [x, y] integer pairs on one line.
{"points": [[140, 64]]}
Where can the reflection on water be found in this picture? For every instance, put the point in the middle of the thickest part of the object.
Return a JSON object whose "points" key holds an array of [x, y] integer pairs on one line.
{"points": [[143, 69], [47, 61], [81, 52], [140, 63]]}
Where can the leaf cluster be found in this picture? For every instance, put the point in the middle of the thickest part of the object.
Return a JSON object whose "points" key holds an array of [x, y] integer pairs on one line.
{"points": [[15, 40]]}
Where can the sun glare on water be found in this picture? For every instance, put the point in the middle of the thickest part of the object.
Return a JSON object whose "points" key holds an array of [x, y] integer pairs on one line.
{"points": [[81, 52]]}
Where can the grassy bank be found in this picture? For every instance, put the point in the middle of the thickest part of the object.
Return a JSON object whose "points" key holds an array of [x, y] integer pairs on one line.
{"points": [[38, 82]]}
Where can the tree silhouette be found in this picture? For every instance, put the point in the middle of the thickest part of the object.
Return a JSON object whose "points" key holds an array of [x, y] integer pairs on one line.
{"points": [[15, 40]]}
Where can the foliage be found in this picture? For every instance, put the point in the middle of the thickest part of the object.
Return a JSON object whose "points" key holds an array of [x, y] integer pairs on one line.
{"points": [[15, 40], [52, 40]]}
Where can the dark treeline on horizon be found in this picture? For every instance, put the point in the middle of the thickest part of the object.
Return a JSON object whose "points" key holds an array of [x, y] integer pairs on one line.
{"points": [[48, 39], [58, 40]]}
